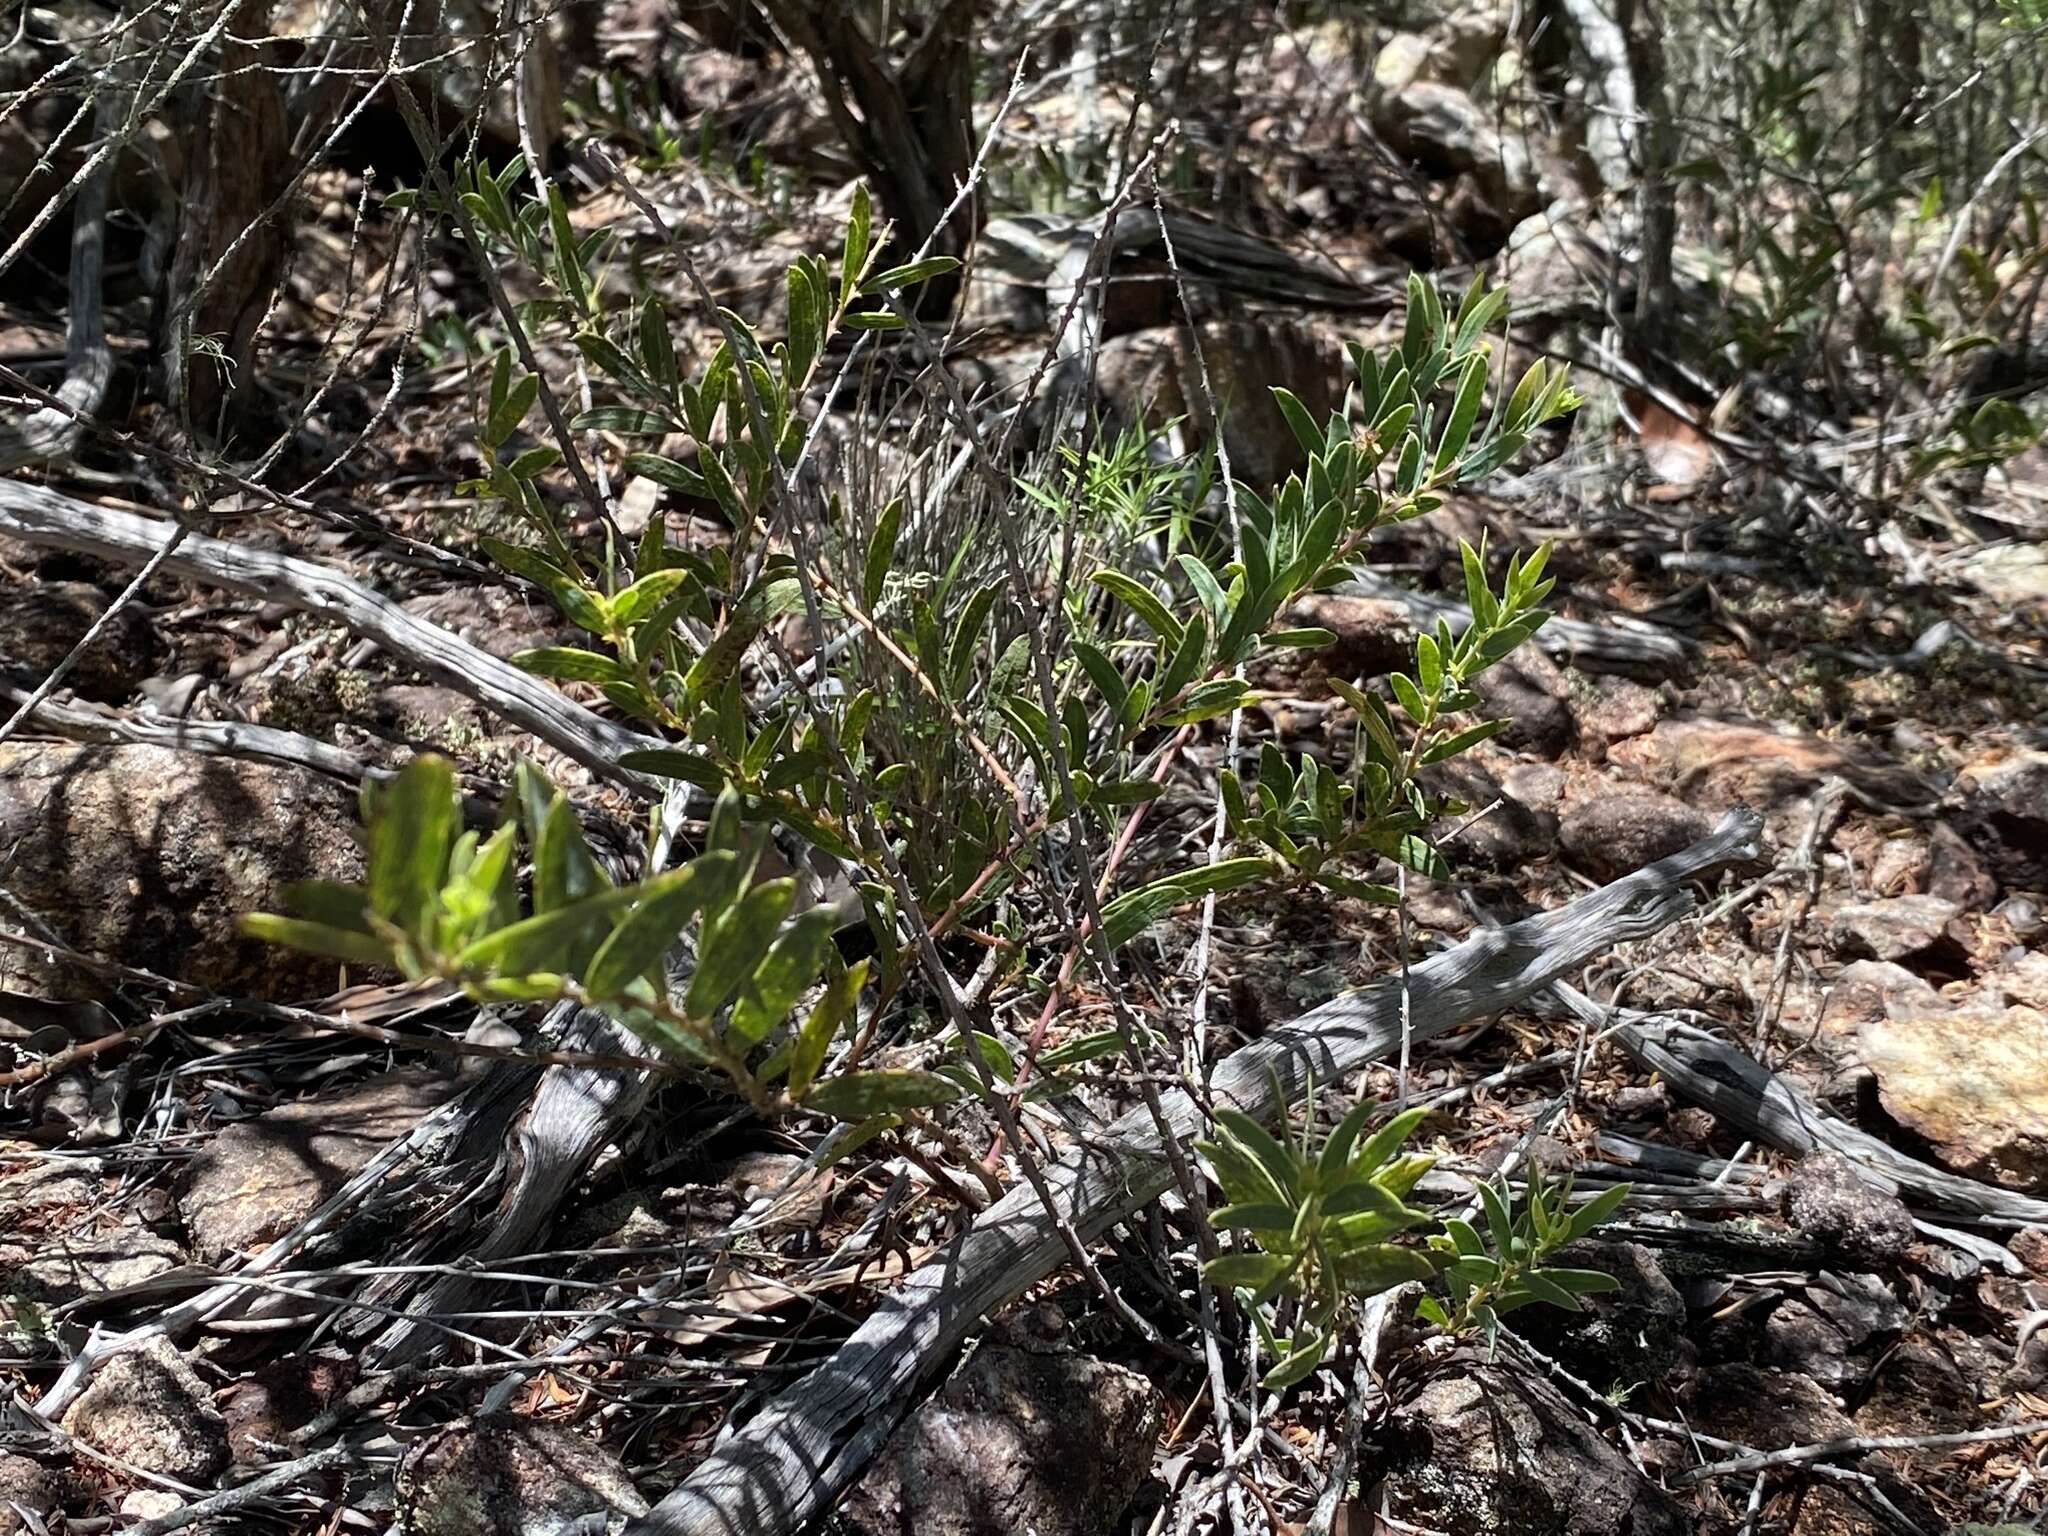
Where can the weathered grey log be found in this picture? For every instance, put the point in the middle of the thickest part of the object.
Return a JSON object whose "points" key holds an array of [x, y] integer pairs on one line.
{"points": [[1760, 1104], [1620, 646], [210, 738], [780, 1471], [51, 520]]}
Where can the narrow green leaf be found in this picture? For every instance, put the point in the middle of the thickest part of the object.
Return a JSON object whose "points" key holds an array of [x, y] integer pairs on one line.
{"points": [[909, 273], [417, 817], [1143, 601], [505, 418], [734, 945], [842, 996], [792, 964], [650, 930], [857, 1095], [667, 472], [313, 938], [567, 664]]}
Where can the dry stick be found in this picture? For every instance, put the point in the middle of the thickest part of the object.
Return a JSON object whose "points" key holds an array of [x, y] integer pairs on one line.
{"points": [[1859, 1445], [48, 519], [779, 1471], [210, 738], [1827, 809]]}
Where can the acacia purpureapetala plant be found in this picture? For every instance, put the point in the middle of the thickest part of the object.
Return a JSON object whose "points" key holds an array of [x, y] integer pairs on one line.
{"points": [[1044, 721]]}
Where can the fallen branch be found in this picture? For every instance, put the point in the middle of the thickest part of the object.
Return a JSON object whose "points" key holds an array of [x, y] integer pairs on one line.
{"points": [[781, 1470], [210, 738], [1763, 1106], [48, 519]]}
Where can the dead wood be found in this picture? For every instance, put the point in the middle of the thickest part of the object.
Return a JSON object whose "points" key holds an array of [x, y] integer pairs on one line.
{"points": [[782, 1469], [51, 520], [1759, 1103]]}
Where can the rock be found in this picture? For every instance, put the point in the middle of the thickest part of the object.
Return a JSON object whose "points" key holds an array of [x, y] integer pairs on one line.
{"points": [[1826, 1199], [278, 1397], [1624, 1339], [40, 625], [259, 1178], [2022, 914], [1018, 1439], [502, 1475], [1999, 805], [1974, 1083], [1612, 835], [1764, 1408], [1445, 131], [1493, 831], [1528, 690], [48, 1186], [150, 855], [499, 619], [1957, 872], [1539, 786], [1152, 376], [147, 1407], [1894, 927], [1485, 1449], [56, 1269], [1617, 709], [28, 1495]]}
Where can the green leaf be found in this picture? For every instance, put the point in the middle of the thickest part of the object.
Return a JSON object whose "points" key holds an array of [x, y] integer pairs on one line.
{"points": [[1429, 666], [1143, 601], [567, 664], [1458, 742], [667, 472], [1389, 1139], [629, 420], [647, 594], [1370, 1271], [531, 564], [881, 554], [909, 273], [1464, 412], [1498, 1226], [854, 254], [299, 933], [773, 595], [1307, 1354], [733, 945], [857, 1095], [791, 966], [535, 461], [1596, 1210], [674, 763], [1130, 914], [1256, 1141], [872, 320], [417, 817], [542, 942], [505, 417], [1208, 701], [1088, 1047], [329, 902], [650, 930], [1261, 1215], [1299, 420], [1102, 673], [1308, 638], [1408, 695], [842, 996], [1249, 1271], [1581, 1282]]}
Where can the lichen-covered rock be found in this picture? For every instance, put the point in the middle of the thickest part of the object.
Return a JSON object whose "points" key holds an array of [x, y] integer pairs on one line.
{"points": [[27, 1493], [1973, 1082], [1528, 690], [1483, 1450], [1824, 1198], [502, 1475], [1613, 835], [1894, 927], [148, 1408], [67, 1267], [1018, 1439], [148, 856], [261, 1177]]}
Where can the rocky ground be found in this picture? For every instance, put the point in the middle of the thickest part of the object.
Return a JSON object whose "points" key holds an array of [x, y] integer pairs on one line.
{"points": [[179, 1098]]}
